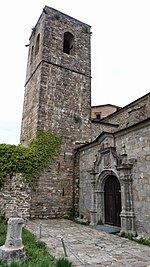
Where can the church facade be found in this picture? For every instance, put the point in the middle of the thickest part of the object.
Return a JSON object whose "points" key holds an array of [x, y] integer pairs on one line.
{"points": [[114, 170], [102, 173]]}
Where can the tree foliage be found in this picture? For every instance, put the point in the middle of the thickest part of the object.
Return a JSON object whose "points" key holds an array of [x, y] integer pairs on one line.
{"points": [[31, 160]]}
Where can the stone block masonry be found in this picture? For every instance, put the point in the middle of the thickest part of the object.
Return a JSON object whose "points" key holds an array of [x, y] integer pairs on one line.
{"points": [[15, 197], [57, 99]]}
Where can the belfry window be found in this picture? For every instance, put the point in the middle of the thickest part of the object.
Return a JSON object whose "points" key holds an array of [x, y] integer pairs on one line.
{"points": [[68, 43], [37, 45], [31, 55]]}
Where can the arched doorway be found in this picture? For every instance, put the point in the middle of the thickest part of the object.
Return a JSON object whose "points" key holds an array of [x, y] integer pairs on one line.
{"points": [[112, 200]]}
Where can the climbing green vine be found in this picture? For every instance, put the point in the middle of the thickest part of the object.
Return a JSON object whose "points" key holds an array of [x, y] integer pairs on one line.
{"points": [[31, 160]]}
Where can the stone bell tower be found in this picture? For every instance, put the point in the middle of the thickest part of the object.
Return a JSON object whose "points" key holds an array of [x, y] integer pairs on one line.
{"points": [[58, 99]]}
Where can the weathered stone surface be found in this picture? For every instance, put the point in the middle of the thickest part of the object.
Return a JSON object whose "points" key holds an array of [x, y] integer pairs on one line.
{"points": [[131, 114], [15, 197], [12, 254], [14, 233], [13, 249], [132, 148], [88, 247], [57, 98]]}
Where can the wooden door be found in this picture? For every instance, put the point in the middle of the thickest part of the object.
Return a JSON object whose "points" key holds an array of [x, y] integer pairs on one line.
{"points": [[112, 198]]}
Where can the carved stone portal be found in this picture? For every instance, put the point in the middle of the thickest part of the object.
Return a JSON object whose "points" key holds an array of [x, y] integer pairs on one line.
{"points": [[108, 164]]}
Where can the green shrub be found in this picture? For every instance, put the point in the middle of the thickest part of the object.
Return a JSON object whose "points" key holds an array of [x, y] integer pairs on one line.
{"points": [[11, 264], [31, 160], [127, 235], [14, 264], [63, 263], [138, 240], [100, 222], [143, 241], [3, 228], [40, 244]]}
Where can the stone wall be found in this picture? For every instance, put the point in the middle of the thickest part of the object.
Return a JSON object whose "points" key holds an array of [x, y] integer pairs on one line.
{"points": [[15, 197], [58, 86], [131, 114], [97, 127], [52, 193], [30, 109], [86, 159], [135, 144]]}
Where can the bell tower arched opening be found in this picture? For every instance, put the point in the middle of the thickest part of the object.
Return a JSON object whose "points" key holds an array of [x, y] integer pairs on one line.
{"points": [[68, 43]]}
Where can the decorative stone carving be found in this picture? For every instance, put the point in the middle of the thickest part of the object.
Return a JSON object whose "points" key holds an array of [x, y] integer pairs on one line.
{"points": [[127, 214], [93, 211], [107, 161]]}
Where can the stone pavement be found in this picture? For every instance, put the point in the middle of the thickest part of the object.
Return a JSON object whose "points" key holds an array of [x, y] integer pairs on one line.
{"points": [[89, 247]]}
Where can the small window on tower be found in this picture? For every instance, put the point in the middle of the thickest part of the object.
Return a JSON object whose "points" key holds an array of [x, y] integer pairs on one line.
{"points": [[31, 55], [98, 116], [37, 45], [68, 43]]}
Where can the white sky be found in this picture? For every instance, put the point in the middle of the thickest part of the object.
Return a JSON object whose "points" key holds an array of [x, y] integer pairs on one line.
{"points": [[120, 52]]}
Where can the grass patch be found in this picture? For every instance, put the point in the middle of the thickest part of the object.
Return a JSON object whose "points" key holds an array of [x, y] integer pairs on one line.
{"points": [[81, 221], [37, 254], [140, 240], [3, 228], [63, 263]]}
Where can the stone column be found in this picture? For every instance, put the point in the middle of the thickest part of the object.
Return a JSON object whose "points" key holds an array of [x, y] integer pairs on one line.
{"points": [[93, 211], [14, 232], [127, 213], [13, 249]]}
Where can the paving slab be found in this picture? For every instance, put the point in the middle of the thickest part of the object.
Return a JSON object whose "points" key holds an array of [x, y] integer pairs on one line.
{"points": [[85, 246]]}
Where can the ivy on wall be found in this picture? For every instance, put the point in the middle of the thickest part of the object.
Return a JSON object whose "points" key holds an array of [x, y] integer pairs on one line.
{"points": [[31, 160]]}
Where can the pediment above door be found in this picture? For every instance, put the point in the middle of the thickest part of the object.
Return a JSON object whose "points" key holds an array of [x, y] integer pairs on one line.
{"points": [[107, 157]]}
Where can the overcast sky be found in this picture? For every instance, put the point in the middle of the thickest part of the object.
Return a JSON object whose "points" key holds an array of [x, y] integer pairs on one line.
{"points": [[120, 52]]}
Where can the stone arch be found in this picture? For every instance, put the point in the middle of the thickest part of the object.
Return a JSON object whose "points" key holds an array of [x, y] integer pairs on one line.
{"points": [[100, 182], [100, 193]]}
